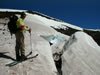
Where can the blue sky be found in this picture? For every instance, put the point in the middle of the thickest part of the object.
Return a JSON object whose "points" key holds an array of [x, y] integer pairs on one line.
{"points": [[83, 13]]}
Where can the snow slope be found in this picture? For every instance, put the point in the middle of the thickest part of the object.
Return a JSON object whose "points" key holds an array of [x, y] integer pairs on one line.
{"points": [[80, 52], [82, 56], [56, 24], [43, 64]]}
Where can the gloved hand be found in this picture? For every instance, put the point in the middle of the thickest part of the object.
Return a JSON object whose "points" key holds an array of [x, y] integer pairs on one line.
{"points": [[30, 30]]}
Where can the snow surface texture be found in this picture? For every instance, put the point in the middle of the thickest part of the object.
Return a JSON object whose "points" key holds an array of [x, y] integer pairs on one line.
{"points": [[55, 24], [80, 52], [82, 56]]}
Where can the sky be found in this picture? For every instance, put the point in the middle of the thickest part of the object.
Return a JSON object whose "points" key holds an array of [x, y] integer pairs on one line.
{"points": [[82, 13]]}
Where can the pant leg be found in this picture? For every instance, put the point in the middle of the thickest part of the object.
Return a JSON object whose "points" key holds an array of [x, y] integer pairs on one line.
{"points": [[17, 47], [22, 44]]}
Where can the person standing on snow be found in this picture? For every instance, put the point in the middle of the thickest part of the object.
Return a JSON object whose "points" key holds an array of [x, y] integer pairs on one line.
{"points": [[20, 46]]}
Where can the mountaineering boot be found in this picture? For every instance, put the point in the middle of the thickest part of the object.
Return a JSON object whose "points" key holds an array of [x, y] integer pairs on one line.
{"points": [[18, 58], [23, 57]]}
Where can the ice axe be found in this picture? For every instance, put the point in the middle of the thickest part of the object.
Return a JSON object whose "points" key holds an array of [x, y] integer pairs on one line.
{"points": [[30, 46]]}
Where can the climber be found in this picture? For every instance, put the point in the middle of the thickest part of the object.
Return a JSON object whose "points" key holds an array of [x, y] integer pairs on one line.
{"points": [[20, 46]]}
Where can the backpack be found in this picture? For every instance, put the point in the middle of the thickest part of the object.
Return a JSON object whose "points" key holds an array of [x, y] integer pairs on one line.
{"points": [[12, 26]]}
